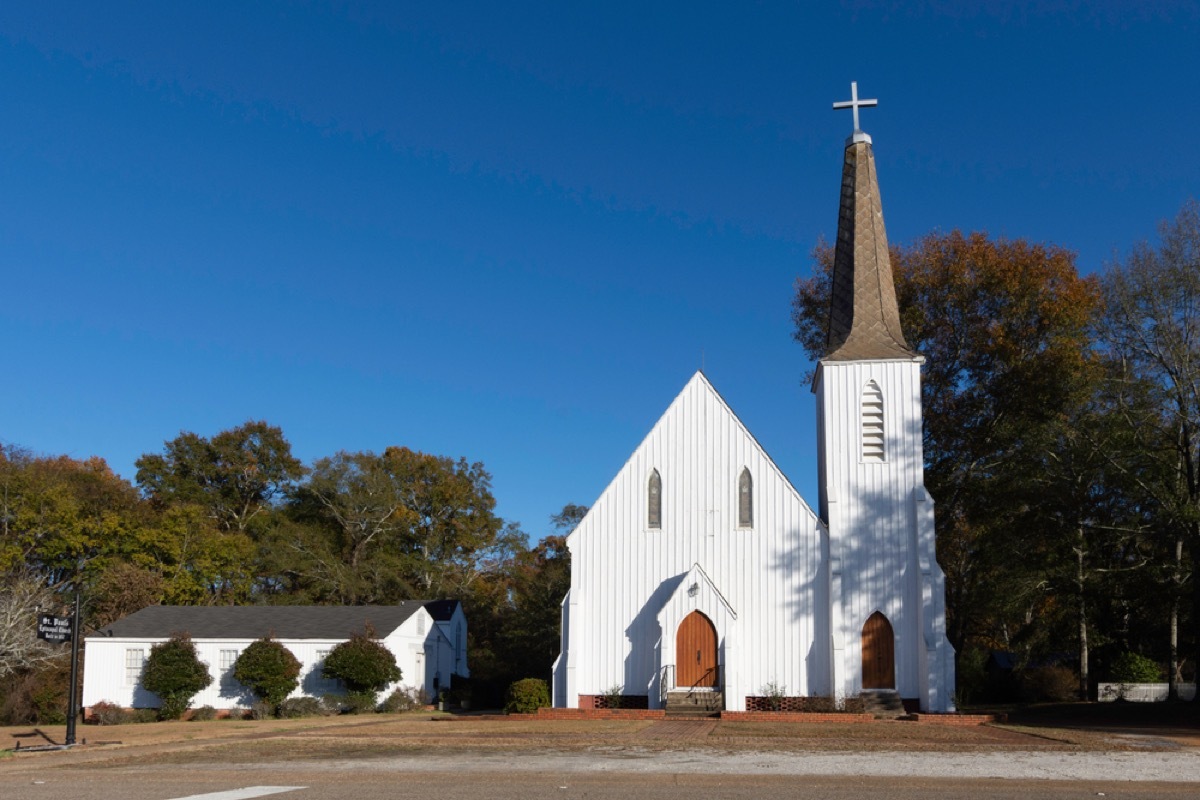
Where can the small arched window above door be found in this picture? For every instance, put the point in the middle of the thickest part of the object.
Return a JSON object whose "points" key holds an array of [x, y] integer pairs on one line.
{"points": [[654, 500], [745, 490]]}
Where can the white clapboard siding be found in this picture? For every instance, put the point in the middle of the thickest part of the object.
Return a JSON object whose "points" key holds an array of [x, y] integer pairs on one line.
{"points": [[624, 572], [423, 652]]}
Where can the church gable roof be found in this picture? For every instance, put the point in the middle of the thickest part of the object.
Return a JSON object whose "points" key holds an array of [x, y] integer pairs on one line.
{"points": [[698, 426], [254, 622]]}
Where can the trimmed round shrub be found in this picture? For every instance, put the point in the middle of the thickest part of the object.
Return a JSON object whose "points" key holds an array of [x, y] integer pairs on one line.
{"points": [[527, 696], [1132, 667], [175, 673], [268, 669], [364, 665]]}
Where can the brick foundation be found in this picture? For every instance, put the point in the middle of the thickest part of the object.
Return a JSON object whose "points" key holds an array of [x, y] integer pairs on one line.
{"points": [[793, 716], [601, 713], [629, 701]]}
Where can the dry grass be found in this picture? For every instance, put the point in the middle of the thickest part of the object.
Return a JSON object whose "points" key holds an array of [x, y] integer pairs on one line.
{"points": [[373, 736]]}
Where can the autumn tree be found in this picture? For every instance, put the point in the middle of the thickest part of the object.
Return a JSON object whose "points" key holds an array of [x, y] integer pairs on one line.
{"points": [[1003, 325], [235, 476], [397, 525], [1151, 329]]}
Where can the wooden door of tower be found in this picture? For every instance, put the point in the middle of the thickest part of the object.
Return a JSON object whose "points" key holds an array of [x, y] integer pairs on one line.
{"points": [[696, 652], [878, 653]]}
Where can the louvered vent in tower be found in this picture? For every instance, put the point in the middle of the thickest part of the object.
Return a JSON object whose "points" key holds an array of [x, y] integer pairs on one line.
{"points": [[872, 423]]}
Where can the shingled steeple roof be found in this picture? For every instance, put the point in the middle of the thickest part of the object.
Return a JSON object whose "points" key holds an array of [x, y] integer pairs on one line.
{"points": [[864, 318]]}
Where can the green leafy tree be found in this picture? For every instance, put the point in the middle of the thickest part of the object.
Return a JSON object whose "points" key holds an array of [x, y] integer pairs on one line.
{"points": [[364, 665], [1151, 329], [397, 525], [268, 669], [235, 476], [175, 673]]}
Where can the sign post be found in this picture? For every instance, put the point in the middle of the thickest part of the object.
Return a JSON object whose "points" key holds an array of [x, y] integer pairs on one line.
{"points": [[56, 629]]}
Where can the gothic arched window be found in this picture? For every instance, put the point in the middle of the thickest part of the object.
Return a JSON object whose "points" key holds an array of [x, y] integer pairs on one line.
{"points": [[654, 500], [872, 423], [745, 499]]}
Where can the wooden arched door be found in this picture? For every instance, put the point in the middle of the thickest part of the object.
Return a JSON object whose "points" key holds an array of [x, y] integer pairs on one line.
{"points": [[696, 652], [878, 653]]}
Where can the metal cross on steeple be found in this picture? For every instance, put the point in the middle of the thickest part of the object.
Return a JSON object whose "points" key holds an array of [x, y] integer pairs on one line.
{"points": [[854, 103]]}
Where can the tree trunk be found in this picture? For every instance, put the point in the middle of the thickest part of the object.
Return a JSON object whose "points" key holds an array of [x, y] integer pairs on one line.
{"points": [[1176, 593], [1083, 627]]}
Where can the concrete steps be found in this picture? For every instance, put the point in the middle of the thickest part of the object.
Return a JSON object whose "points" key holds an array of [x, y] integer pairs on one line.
{"points": [[695, 705], [883, 703]]}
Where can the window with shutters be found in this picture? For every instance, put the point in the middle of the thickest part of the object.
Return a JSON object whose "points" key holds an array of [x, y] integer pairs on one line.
{"points": [[745, 499], [654, 501], [872, 424]]}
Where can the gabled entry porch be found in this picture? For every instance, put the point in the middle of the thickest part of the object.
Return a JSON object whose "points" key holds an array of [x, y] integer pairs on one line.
{"points": [[696, 646]]}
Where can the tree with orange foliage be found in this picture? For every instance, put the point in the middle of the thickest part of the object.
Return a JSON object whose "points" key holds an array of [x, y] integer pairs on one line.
{"points": [[1004, 328]]}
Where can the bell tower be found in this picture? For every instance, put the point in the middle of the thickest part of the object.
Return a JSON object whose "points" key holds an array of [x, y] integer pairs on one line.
{"points": [[887, 592]]}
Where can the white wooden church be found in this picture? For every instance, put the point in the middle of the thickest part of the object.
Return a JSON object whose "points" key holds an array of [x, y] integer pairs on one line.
{"points": [[701, 569]]}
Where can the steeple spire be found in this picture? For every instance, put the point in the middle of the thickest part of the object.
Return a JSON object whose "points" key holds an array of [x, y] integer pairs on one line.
{"points": [[864, 318]]}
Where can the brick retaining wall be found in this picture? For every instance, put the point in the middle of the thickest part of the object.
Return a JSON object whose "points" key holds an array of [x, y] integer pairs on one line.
{"points": [[792, 716]]}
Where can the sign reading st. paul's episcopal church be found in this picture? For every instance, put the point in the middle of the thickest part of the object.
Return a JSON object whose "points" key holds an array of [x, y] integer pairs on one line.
{"points": [[54, 629]]}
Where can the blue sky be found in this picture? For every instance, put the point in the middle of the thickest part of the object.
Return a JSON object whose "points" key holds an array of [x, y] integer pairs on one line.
{"points": [[512, 232]]}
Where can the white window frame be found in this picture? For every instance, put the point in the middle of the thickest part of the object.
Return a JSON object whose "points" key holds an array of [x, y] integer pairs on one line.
{"points": [[135, 662]]}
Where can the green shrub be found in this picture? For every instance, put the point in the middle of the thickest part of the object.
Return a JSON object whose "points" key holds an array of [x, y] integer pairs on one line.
{"points": [[268, 669], [1132, 667], [401, 700], [260, 709], [140, 715], [203, 714], [527, 696], [106, 713], [359, 703], [296, 707], [364, 665], [175, 673]]}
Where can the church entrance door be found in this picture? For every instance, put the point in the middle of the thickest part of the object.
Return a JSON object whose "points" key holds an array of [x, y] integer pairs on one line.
{"points": [[696, 652], [878, 653]]}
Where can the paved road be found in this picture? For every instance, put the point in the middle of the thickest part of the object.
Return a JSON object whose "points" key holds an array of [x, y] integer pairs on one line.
{"points": [[380, 785], [626, 774]]}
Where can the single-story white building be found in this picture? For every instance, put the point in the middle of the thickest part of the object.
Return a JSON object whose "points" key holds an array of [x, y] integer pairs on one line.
{"points": [[429, 640]]}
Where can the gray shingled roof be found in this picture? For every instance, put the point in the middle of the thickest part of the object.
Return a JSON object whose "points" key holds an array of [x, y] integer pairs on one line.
{"points": [[864, 319], [254, 622]]}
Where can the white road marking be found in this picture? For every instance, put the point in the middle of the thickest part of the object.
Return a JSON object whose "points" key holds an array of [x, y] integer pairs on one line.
{"points": [[245, 793]]}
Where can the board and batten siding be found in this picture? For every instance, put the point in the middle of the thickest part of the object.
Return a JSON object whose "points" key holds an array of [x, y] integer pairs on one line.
{"points": [[770, 574], [881, 542]]}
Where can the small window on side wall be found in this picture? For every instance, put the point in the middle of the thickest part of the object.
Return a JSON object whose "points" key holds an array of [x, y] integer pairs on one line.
{"points": [[745, 499], [654, 500]]}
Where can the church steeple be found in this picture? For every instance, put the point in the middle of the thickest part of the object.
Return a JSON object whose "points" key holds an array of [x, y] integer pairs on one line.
{"points": [[864, 318]]}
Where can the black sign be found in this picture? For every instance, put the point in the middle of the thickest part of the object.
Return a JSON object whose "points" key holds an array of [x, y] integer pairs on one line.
{"points": [[54, 629]]}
